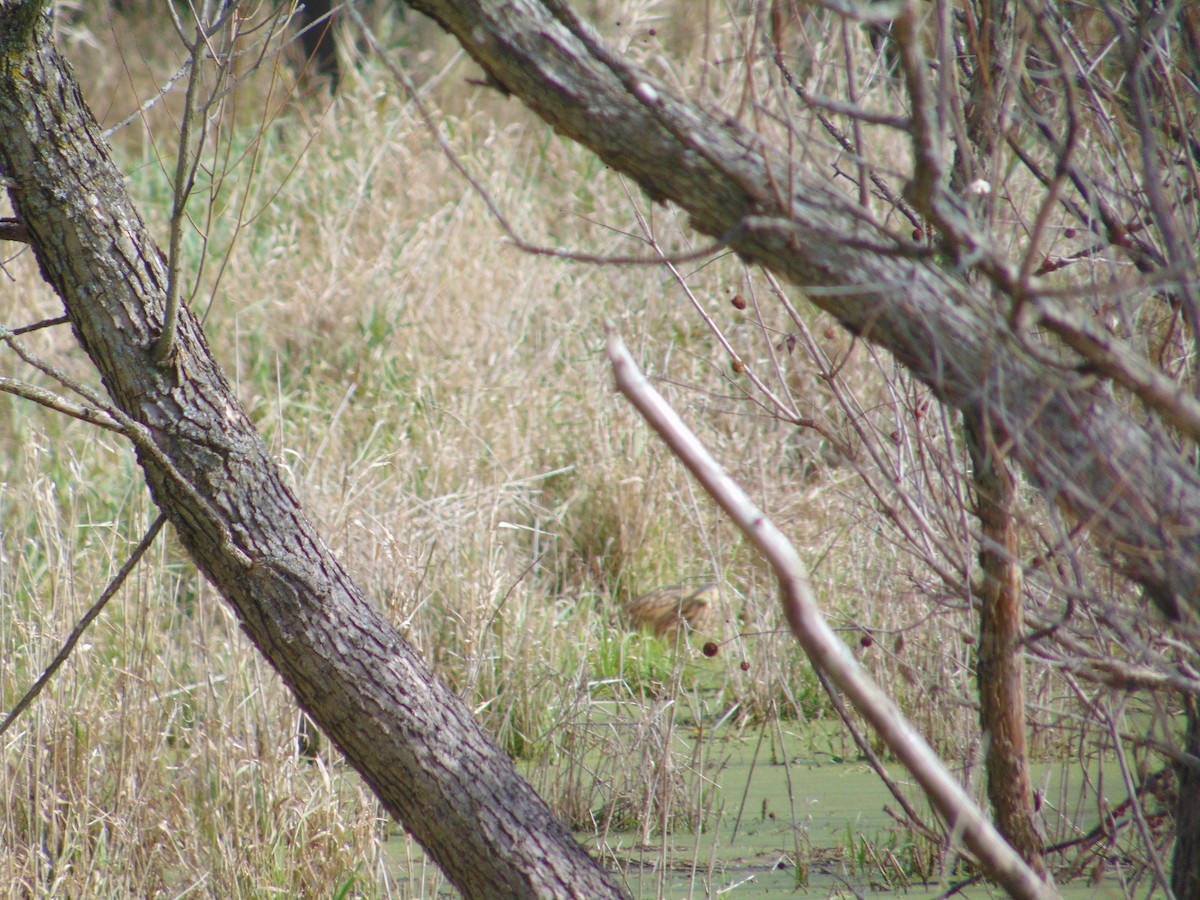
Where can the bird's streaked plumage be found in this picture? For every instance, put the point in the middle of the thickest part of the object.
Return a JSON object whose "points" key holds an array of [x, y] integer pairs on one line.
{"points": [[663, 611]]}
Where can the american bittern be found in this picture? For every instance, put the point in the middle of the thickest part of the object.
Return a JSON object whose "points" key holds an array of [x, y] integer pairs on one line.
{"points": [[662, 611]]}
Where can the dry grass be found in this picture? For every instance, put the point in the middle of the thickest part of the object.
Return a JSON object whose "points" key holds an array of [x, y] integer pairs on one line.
{"points": [[441, 402]]}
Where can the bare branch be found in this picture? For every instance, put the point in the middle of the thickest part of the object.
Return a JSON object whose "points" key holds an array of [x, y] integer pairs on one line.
{"points": [[822, 645], [60, 404], [1113, 359], [13, 230], [185, 178]]}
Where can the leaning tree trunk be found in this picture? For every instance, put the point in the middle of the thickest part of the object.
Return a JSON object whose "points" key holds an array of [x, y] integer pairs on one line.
{"points": [[1079, 446], [413, 740]]}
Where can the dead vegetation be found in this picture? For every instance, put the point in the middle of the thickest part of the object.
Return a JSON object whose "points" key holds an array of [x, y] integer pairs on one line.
{"points": [[442, 403]]}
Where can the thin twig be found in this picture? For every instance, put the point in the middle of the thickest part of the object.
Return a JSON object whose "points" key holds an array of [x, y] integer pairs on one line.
{"points": [[185, 180], [13, 230], [490, 202], [165, 88], [90, 616], [140, 436], [53, 401], [914, 819], [38, 326]]}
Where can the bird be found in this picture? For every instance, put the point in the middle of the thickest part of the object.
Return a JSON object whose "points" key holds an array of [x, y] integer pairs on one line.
{"points": [[664, 610]]}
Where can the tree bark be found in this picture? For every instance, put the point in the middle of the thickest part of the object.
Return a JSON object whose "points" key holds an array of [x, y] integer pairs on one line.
{"points": [[1000, 666], [1123, 478], [414, 741], [1185, 864]]}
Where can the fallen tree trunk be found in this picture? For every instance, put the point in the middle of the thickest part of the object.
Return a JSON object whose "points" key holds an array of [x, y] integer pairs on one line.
{"points": [[413, 740]]}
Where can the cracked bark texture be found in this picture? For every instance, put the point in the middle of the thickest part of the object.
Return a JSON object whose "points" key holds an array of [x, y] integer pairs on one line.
{"points": [[413, 740]]}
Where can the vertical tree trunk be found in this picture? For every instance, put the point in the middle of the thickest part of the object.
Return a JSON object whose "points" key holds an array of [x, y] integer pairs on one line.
{"points": [[413, 740], [1000, 670], [317, 19], [1185, 866]]}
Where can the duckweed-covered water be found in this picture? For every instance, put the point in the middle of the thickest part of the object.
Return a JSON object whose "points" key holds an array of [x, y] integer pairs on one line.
{"points": [[812, 824], [831, 833]]}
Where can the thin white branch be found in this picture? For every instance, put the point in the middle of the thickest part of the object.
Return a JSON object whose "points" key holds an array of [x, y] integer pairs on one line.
{"points": [[824, 648]]}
